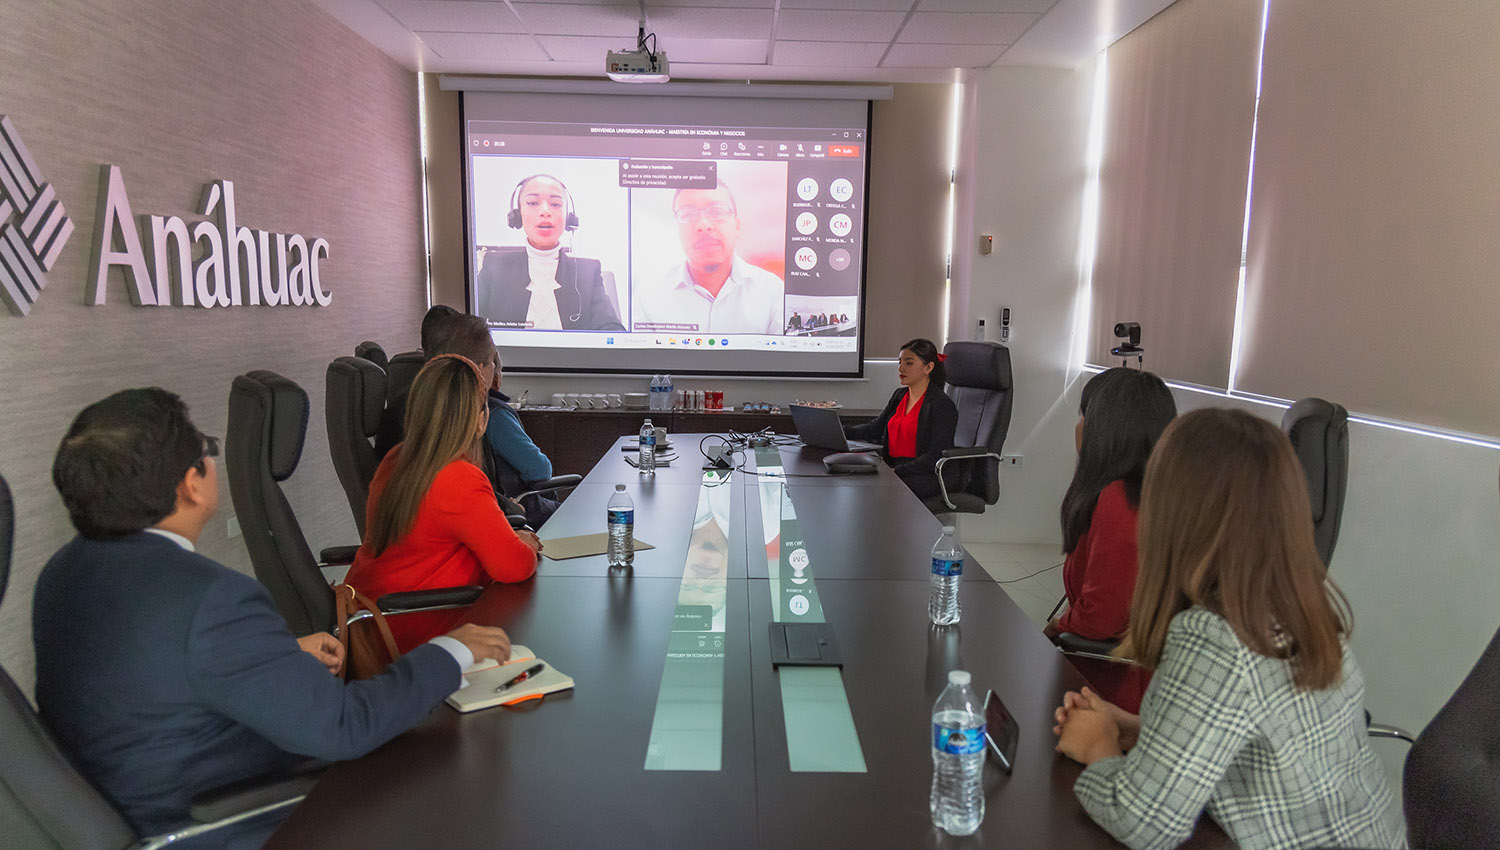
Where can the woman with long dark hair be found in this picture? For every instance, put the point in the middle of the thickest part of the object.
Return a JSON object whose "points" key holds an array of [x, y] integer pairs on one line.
{"points": [[1255, 713], [919, 421], [1122, 413], [432, 520]]}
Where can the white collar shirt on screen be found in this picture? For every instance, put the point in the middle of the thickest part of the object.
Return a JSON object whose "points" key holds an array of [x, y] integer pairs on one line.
{"points": [[542, 266], [750, 302]]}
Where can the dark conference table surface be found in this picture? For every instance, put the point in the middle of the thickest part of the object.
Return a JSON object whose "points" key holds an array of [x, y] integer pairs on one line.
{"points": [[570, 772]]}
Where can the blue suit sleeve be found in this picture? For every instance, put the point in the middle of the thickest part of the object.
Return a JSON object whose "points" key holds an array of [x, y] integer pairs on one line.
{"points": [[510, 441], [244, 663]]}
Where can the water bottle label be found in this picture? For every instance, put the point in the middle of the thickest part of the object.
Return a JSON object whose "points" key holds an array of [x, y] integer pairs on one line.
{"points": [[958, 742], [649, 441], [621, 517], [944, 567]]}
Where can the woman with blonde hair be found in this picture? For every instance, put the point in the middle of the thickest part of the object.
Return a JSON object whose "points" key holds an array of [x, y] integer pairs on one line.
{"points": [[1255, 713], [432, 520]]}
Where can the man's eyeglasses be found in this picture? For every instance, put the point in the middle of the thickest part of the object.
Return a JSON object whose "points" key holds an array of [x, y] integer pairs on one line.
{"points": [[716, 214], [210, 449]]}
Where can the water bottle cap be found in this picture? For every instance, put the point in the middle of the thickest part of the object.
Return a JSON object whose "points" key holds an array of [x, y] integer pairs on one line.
{"points": [[947, 529], [959, 677], [647, 422], [619, 488]]}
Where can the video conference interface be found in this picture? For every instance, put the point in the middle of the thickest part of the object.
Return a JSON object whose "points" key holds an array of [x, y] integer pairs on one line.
{"points": [[652, 236]]}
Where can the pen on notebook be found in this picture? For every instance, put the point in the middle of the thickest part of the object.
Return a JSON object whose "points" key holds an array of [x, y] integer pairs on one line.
{"points": [[522, 676]]}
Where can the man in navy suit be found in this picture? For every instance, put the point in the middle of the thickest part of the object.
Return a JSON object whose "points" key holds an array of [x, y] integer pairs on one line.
{"points": [[165, 674]]}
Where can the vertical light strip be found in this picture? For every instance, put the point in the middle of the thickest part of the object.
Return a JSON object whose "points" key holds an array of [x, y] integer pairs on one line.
{"points": [[426, 214], [1239, 295], [1088, 228], [953, 131]]}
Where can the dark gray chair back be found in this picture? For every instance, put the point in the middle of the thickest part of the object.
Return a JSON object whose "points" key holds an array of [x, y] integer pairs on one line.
{"points": [[352, 407], [979, 382], [1451, 781], [402, 371], [267, 426], [44, 802], [1319, 431], [372, 352]]}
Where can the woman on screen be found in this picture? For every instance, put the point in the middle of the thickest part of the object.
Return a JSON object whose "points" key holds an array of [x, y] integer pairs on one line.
{"points": [[1256, 710], [432, 520], [1121, 414], [542, 286], [918, 422]]}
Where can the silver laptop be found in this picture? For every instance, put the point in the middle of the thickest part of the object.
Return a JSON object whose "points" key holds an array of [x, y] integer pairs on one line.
{"points": [[820, 428]]}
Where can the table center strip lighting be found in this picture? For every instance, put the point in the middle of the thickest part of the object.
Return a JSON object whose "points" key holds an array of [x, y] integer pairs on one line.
{"points": [[687, 732], [820, 733]]}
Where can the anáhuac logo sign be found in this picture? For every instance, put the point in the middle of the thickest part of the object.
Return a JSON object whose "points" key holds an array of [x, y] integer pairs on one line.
{"points": [[233, 266], [34, 227]]}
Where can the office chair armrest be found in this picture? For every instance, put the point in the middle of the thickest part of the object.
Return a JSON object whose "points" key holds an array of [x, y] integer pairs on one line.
{"points": [[239, 802], [958, 454], [1083, 647], [1381, 730], [516, 521], [553, 484], [337, 556], [426, 600]]}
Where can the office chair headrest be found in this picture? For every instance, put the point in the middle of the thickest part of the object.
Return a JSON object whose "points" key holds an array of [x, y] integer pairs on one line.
{"points": [[1314, 426], [286, 409], [372, 352], [982, 365], [7, 534], [371, 381]]}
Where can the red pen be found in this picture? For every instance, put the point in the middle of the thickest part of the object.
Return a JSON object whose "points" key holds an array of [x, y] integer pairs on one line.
{"points": [[522, 676]]}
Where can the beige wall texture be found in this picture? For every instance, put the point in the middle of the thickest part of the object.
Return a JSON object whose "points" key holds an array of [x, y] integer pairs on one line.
{"points": [[315, 128]]}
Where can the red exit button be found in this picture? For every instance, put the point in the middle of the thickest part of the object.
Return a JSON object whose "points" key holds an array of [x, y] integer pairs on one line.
{"points": [[843, 150]]}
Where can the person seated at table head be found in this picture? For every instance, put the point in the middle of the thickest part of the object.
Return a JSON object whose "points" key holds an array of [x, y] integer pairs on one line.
{"points": [[1256, 710], [796, 321], [166, 675], [432, 520], [714, 290], [918, 422], [544, 287]]}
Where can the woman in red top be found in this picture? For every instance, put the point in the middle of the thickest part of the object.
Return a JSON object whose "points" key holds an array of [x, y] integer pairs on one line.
{"points": [[432, 520], [1121, 414], [918, 422]]}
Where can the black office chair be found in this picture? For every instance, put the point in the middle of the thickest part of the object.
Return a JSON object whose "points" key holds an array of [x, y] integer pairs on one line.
{"points": [[267, 427], [979, 382], [46, 802], [372, 352], [1319, 431], [352, 407], [401, 371]]}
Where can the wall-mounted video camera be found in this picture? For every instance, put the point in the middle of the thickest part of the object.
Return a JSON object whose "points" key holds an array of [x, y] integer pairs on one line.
{"points": [[1130, 332]]}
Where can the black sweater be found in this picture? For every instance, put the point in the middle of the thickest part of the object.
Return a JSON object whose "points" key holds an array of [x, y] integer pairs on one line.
{"points": [[937, 421]]}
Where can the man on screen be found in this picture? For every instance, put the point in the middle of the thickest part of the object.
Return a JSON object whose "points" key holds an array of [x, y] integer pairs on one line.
{"points": [[714, 290], [542, 287]]}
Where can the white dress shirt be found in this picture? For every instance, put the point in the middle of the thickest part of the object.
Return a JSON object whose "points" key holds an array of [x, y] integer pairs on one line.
{"points": [[750, 302], [542, 267]]}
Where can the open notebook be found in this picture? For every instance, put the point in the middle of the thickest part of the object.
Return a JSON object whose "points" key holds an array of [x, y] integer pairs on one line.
{"points": [[482, 678]]}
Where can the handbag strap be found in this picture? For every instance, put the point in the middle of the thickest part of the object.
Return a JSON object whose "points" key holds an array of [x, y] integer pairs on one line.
{"points": [[351, 602]]}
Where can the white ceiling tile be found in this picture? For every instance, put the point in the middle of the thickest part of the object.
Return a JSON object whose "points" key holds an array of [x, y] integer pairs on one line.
{"points": [[822, 25], [453, 15], [1034, 7], [653, 5], [618, 21], [483, 46], [852, 5], [941, 56], [731, 51], [965, 28], [826, 54], [708, 23], [573, 48]]}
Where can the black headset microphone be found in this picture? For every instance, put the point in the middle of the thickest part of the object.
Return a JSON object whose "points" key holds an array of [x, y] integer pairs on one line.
{"points": [[570, 224]]}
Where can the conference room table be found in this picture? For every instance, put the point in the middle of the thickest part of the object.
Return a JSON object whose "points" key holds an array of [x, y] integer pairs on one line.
{"points": [[667, 743]]}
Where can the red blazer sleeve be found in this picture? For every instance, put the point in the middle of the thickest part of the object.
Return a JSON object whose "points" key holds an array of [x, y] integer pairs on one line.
{"points": [[1102, 608], [465, 507]]}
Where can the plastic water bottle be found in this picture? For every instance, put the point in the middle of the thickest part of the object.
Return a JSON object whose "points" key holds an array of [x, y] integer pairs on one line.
{"points": [[666, 393], [957, 757], [621, 528], [647, 463], [656, 391], [947, 574]]}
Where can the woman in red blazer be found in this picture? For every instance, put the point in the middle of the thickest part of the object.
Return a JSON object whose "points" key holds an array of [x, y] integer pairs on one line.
{"points": [[919, 421], [432, 520], [1122, 413]]}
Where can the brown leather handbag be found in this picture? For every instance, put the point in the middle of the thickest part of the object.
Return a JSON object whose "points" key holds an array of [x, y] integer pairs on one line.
{"points": [[368, 644]]}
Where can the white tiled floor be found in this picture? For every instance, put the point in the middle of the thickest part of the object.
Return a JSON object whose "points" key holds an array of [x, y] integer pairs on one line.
{"points": [[1013, 565]]}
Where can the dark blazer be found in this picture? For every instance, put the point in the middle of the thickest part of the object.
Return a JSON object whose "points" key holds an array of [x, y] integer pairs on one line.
{"points": [[937, 422], [166, 675], [502, 296]]}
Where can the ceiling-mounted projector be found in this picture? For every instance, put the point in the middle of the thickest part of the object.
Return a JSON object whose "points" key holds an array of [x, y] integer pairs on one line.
{"points": [[641, 65]]}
